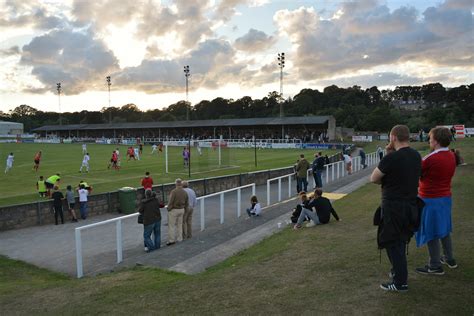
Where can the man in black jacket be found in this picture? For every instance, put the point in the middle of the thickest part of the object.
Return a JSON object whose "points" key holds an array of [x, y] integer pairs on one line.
{"points": [[150, 208], [323, 207], [398, 173]]}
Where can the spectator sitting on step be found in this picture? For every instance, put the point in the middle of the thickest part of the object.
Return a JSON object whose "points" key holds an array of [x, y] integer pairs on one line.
{"points": [[255, 209], [306, 211], [323, 207]]}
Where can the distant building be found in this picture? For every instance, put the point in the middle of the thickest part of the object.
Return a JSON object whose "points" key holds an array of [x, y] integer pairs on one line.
{"points": [[410, 104], [270, 127], [10, 128]]}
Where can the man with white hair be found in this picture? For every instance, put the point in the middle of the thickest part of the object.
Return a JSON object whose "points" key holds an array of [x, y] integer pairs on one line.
{"points": [[188, 211], [177, 202]]}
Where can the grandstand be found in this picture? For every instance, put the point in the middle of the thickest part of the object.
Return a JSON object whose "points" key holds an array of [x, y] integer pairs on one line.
{"points": [[307, 128]]}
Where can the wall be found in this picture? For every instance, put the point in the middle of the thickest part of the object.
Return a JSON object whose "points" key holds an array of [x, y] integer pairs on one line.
{"points": [[40, 213]]}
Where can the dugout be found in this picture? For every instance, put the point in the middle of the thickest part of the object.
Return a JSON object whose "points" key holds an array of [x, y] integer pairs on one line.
{"points": [[306, 128]]}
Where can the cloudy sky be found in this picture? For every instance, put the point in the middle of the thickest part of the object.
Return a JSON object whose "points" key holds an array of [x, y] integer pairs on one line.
{"points": [[230, 46]]}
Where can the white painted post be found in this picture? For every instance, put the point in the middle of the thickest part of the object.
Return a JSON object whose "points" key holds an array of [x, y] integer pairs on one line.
{"points": [[279, 190], [166, 156], [222, 208], [343, 169], [327, 174], [268, 192], [119, 241], [289, 185], [202, 214], [79, 269], [332, 171], [253, 189], [238, 203], [337, 170]]}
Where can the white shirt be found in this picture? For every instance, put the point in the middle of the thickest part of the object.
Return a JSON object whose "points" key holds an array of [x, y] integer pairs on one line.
{"points": [[83, 193], [86, 159], [347, 159], [84, 146], [191, 197], [154, 147], [135, 150], [10, 159], [257, 209]]}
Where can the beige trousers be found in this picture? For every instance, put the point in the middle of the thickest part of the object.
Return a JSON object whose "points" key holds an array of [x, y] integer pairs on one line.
{"points": [[175, 225], [188, 223]]}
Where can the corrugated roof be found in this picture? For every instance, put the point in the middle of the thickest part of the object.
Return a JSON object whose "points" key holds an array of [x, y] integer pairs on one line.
{"points": [[304, 120]]}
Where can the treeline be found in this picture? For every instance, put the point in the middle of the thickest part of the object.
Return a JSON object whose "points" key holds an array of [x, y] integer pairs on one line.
{"points": [[369, 109]]}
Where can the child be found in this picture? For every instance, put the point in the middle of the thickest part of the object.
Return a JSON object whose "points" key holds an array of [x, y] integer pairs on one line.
{"points": [[41, 187], [71, 201], [58, 198], [255, 209]]}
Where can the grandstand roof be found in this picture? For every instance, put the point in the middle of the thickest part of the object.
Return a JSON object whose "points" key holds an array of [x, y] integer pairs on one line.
{"points": [[304, 120]]}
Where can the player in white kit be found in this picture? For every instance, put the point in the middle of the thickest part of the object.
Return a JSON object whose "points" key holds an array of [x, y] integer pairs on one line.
{"points": [[85, 162], [84, 149], [137, 153], [154, 147], [10, 159]]}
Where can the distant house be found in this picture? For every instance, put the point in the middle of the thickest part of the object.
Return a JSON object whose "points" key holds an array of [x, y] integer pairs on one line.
{"points": [[410, 104]]}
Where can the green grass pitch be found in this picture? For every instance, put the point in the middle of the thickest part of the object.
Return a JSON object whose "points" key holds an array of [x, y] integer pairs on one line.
{"points": [[18, 185]]}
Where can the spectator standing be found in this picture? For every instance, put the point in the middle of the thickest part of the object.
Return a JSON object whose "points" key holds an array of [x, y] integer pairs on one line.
{"points": [[255, 208], [453, 133], [41, 187], [301, 174], [318, 169], [71, 202], [58, 198], [438, 169], [379, 152], [150, 208], [188, 211], [147, 181], [177, 202], [398, 173], [362, 158], [83, 197], [348, 162]]}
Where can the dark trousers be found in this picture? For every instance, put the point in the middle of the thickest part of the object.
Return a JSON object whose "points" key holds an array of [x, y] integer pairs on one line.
{"points": [[397, 256], [301, 184], [58, 211]]}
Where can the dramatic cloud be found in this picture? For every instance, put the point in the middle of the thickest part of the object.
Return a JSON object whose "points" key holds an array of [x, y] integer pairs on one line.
{"points": [[57, 57], [379, 79], [12, 51], [26, 13], [254, 41], [367, 34], [210, 64]]}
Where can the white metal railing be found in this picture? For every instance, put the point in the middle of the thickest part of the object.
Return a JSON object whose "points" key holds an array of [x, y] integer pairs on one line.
{"points": [[279, 186], [333, 171], [118, 235], [221, 207]]}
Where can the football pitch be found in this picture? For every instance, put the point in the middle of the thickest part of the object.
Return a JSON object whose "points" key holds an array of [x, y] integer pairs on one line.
{"points": [[19, 184]]}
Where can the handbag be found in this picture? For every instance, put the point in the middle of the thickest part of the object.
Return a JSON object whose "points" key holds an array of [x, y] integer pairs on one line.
{"points": [[140, 218]]}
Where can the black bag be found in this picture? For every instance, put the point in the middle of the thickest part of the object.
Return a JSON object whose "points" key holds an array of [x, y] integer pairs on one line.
{"points": [[140, 218]]}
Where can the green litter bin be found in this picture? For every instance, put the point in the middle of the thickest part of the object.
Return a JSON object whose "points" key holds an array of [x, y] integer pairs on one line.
{"points": [[127, 197]]}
